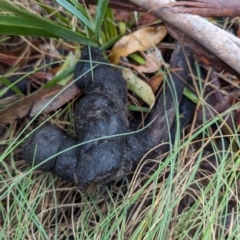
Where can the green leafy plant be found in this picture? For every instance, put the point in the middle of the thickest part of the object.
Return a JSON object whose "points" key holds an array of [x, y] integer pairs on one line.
{"points": [[18, 21]]}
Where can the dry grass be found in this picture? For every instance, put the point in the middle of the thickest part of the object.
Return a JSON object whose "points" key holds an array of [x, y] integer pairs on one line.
{"points": [[187, 196], [178, 201]]}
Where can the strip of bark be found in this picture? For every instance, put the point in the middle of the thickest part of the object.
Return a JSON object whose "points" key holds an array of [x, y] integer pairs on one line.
{"points": [[207, 8], [118, 4], [221, 43]]}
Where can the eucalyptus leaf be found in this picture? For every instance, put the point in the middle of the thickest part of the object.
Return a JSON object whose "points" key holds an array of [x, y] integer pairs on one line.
{"points": [[139, 87]]}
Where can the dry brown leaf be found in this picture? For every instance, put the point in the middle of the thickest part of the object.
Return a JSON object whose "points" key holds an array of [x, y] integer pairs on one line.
{"points": [[69, 93], [155, 81], [153, 62], [35, 103], [16, 111], [140, 40]]}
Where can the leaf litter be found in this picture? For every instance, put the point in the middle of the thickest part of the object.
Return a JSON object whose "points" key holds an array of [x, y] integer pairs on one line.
{"points": [[140, 40], [45, 100]]}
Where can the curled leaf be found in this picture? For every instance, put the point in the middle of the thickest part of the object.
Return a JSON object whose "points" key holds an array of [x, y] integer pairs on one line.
{"points": [[155, 81], [139, 87], [139, 40]]}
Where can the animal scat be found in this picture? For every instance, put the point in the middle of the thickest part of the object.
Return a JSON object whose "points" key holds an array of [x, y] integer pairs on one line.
{"points": [[44, 143], [102, 112]]}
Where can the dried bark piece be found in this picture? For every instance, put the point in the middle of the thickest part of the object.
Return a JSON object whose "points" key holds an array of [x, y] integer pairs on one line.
{"points": [[206, 8], [119, 4]]}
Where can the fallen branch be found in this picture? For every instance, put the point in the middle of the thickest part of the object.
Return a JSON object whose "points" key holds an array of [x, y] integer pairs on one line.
{"points": [[221, 43]]}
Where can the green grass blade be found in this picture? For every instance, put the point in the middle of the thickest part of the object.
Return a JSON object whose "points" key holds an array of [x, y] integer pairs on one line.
{"points": [[14, 25], [58, 30], [101, 10], [9, 84], [110, 43], [76, 13], [58, 78], [138, 109], [110, 24], [190, 95]]}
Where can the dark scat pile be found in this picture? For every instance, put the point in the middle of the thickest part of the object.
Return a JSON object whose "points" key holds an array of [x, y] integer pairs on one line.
{"points": [[102, 112]]}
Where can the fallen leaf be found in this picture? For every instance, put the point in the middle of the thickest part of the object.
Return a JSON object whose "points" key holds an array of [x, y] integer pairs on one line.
{"points": [[35, 103], [48, 104], [17, 110], [46, 100], [155, 81], [153, 62], [220, 42], [139, 87], [140, 40], [70, 61]]}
